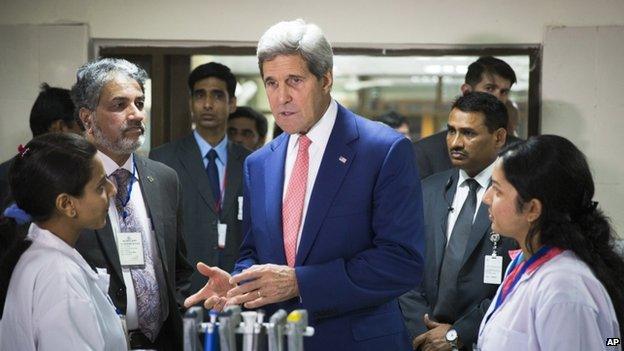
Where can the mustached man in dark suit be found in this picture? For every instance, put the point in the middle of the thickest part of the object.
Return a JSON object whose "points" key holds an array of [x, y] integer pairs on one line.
{"points": [[142, 246], [455, 293], [212, 185], [488, 75]]}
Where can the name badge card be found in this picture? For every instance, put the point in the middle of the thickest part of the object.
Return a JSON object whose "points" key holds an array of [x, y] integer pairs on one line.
{"points": [[240, 208], [130, 248], [222, 231], [493, 269]]}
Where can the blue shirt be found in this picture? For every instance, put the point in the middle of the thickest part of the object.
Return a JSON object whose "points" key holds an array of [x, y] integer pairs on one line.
{"points": [[221, 160]]}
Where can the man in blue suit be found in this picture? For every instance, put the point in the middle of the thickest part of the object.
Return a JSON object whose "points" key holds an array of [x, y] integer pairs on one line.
{"points": [[332, 216]]}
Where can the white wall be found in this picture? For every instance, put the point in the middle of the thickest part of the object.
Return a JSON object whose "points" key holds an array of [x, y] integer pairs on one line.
{"points": [[579, 103], [583, 82], [30, 55], [346, 21]]}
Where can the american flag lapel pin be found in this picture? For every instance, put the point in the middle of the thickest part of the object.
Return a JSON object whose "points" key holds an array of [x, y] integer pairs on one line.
{"points": [[342, 159]]}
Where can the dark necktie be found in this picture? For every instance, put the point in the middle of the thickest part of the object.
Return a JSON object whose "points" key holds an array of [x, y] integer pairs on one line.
{"points": [[454, 255], [213, 176], [144, 278]]}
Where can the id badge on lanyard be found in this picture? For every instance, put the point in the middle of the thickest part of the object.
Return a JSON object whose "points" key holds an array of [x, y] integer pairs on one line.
{"points": [[130, 248], [493, 264]]}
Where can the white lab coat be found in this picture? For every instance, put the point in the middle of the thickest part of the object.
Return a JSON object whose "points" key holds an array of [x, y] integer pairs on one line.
{"points": [[560, 306], [57, 302]]}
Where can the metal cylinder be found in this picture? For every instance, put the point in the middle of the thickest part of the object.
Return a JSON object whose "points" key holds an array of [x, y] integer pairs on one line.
{"points": [[249, 324], [297, 323], [275, 331], [228, 322]]}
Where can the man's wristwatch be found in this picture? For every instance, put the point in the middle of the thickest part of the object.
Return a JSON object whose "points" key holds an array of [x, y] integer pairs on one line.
{"points": [[451, 338]]}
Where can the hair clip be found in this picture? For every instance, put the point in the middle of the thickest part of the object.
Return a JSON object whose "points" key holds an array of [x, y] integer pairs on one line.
{"points": [[20, 216], [22, 150]]}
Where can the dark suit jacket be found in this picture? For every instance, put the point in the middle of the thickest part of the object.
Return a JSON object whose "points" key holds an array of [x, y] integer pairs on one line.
{"points": [[200, 215], [473, 296], [4, 182], [162, 195], [431, 153], [361, 244]]}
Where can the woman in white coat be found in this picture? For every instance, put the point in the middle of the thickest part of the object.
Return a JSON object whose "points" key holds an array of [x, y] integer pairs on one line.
{"points": [[51, 298], [565, 289]]}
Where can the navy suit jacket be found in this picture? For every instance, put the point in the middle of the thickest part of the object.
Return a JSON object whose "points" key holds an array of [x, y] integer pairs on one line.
{"points": [[473, 296], [362, 239]]}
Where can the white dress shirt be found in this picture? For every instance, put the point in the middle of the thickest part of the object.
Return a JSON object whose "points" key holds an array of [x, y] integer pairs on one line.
{"points": [[57, 302], [136, 198], [560, 306], [461, 193], [319, 135]]}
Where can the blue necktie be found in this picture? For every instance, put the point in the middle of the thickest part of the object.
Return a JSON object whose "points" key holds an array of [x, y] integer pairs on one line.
{"points": [[213, 176]]}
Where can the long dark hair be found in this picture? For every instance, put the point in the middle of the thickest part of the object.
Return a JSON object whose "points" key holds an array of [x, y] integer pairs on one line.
{"points": [[47, 166], [554, 171]]}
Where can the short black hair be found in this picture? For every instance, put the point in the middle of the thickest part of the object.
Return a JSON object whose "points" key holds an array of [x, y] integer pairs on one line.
{"points": [[393, 119], [51, 105], [213, 69], [247, 112], [492, 108], [491, 65]]}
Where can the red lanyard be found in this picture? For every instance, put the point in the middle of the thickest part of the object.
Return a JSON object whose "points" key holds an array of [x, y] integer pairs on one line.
{"points": [[517, 269]]}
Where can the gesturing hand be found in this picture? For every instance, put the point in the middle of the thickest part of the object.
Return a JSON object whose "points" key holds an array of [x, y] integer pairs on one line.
{"points": [[262, 285], [214, 292]]}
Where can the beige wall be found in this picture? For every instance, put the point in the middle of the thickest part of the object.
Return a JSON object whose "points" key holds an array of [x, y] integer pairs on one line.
{"points": [[583, 83], [579, 102], [346, 21], [30, 55]]}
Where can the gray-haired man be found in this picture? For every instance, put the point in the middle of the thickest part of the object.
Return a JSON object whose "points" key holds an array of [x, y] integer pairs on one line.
{"points": [[332, 217], [142, 246]]}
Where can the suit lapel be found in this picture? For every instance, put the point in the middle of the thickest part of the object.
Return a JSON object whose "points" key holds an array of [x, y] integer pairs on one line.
{"points": [[149, 189], [442, 211], [330, 176], [233, 176], [274, 181], [107, 241], [192, 160]]}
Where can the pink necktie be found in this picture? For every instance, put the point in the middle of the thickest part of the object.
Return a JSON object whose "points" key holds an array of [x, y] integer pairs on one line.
{"points": [[292, 208]]}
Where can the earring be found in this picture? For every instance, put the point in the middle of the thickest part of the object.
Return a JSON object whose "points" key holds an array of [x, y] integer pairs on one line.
{"points": [[73, 214]]}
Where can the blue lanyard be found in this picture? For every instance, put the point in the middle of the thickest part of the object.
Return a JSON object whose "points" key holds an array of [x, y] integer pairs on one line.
{"points": [[530, 262], [124, 203]]}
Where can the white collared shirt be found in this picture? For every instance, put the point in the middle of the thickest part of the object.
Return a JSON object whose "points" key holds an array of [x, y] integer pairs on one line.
{"points": [[136, 198], [461, 193], [57, 302], [319, 135]]}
